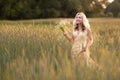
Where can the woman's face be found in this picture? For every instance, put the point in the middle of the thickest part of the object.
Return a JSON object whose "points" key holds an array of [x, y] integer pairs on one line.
{"points": [[78, 19]]}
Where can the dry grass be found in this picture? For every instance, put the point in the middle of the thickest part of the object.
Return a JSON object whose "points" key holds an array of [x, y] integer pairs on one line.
{"points": [[37, 50]]}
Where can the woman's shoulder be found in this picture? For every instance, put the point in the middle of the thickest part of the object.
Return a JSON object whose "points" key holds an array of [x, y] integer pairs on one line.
{"points": [[88, 30]]}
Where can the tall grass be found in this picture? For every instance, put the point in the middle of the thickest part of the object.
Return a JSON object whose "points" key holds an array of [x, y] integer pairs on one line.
{"points": [[37, 50]]}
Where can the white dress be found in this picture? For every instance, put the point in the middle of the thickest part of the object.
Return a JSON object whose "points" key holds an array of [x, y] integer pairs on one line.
{"points": [[77, 52], [79, 41]]}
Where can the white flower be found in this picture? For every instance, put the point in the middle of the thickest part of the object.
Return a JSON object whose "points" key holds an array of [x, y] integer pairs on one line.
{"points": [[62, 24]]}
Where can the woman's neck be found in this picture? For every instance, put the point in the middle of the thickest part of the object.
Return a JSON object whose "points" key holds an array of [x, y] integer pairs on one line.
{"points": [[79, 27]]}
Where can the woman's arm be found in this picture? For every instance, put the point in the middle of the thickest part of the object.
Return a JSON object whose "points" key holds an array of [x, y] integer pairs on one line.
{"points": [[90, 38], [71, 39]]}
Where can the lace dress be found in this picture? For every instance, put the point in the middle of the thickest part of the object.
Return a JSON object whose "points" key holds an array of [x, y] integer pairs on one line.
{"points": [[77, 52]]}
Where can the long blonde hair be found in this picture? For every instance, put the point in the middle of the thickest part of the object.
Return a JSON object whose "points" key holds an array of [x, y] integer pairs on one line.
{"points": [[85, 22]]}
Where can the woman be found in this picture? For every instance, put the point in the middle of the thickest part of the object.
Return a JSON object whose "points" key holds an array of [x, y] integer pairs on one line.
{"points": [[81, 39]]}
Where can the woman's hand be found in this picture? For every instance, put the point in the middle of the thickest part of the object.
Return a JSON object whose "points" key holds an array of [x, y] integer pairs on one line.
{"points": [[85, 48]]}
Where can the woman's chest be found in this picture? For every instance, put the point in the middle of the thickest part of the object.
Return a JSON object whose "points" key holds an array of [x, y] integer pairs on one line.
{"points": [[80, 34]]}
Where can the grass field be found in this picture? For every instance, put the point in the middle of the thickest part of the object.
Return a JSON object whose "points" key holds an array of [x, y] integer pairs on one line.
{"points": [[37, 50]]}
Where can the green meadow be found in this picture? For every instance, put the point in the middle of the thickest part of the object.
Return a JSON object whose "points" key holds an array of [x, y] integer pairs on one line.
{"points": [[37, 50]]}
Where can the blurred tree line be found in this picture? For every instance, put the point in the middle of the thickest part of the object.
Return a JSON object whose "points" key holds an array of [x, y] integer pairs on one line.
{"points": [[113, 9], [33, 9]]}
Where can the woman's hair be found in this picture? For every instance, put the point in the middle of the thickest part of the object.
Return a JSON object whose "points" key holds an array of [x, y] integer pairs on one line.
{"points": [[85, 23]]}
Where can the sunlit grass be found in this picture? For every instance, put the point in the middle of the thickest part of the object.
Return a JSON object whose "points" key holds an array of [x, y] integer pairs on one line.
{"points": [[37, 50]]}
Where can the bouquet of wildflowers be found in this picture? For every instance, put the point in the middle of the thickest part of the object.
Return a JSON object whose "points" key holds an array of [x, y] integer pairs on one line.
{"points": [[62, 24]]}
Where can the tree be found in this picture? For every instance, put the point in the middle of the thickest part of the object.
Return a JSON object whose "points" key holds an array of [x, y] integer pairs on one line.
{"points": [[114, 8], [20, 9], [93, 8], [29, 9], [70, 7], [50, 8]]}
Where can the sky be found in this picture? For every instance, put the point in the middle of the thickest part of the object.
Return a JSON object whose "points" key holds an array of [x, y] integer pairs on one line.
{"points": [[111, 0]]}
